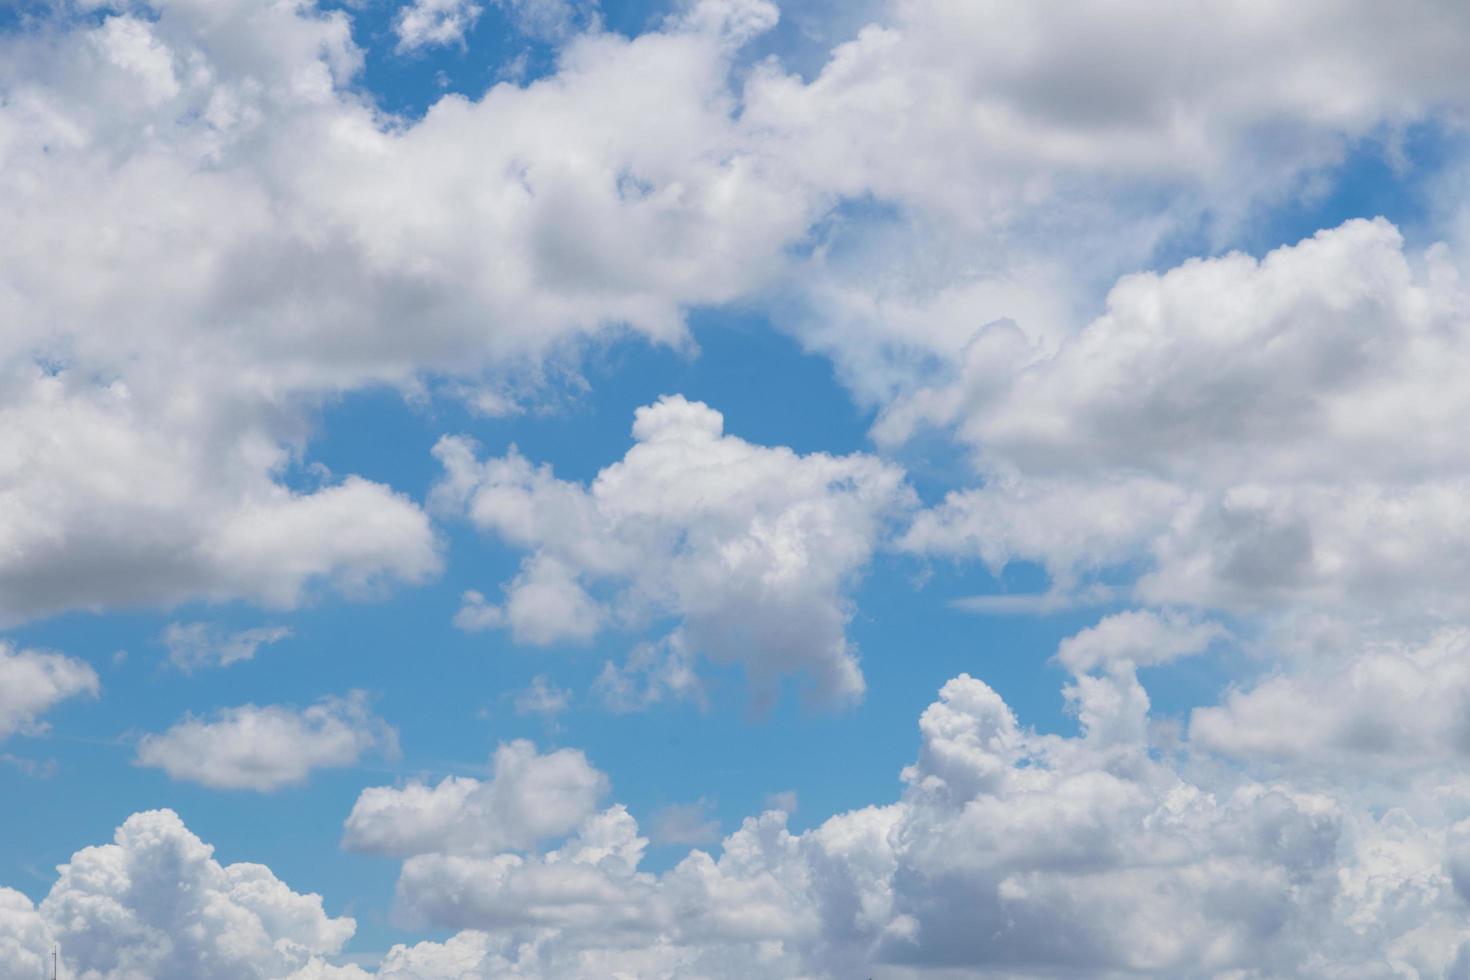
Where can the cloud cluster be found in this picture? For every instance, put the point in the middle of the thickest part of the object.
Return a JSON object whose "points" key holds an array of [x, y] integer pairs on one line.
{"points": [[1011, 853], [156, 903], [530, 797], [234, 233], [268, 747], [32, 681], [427, 23], [1115, 852], [752, 548], [1254, 434]]}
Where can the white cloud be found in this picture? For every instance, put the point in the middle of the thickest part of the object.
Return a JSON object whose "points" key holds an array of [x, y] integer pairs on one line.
{"points": [[1251, 433], [32, 681], [430, 23], [155, 903], [1139, 638], [1009, 852], [152, 412], [195, 645], [530, 797], [548, 20], [25, 942], [266, 748], [754, 548], [178, 336], [544, 605], [1375, 709], [542, 698]]}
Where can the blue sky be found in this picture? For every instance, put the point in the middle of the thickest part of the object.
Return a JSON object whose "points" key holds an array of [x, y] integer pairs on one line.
{"points": [[1087, 474]]}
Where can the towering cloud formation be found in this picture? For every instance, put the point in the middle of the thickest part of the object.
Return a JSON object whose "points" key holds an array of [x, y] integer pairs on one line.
{"points": [[1008, 852], [156, 903]]}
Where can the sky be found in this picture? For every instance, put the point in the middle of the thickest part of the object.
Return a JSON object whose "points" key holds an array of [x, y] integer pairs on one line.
{"points": [[909, 489]]}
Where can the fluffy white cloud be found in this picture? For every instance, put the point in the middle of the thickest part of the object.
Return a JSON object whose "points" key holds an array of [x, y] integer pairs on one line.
{"points": [[1009, 852], [234, 234], [530, 797], [426, 23], [25, 942], [266, 748], [1256, 432], [1384, 708], [156, 903], [753, 548], [195, 645], [32, 681], [1137, 637], [159, 491]]}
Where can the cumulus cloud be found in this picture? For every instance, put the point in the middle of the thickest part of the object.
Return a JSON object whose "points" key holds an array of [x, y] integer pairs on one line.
{"points": [[429, 23], [32, 681], [529, 797], [1252, 433], [1136, 638], [266, 748], [753, 548], [152, 414], [194, 645], [156, 903], [155, 149], [1008, 852], [1373, 709]]}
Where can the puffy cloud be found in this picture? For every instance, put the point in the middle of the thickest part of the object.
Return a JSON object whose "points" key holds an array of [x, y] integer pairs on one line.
{"points": [[530, 797], [32, 681], [1384, 708], [1251, 433], [234, 235], [266, 748], [124, 494], [753, 548], [427, 23], [195, 645], [1009, 852], [156, 903], [1137, 637], [25, 942]]}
